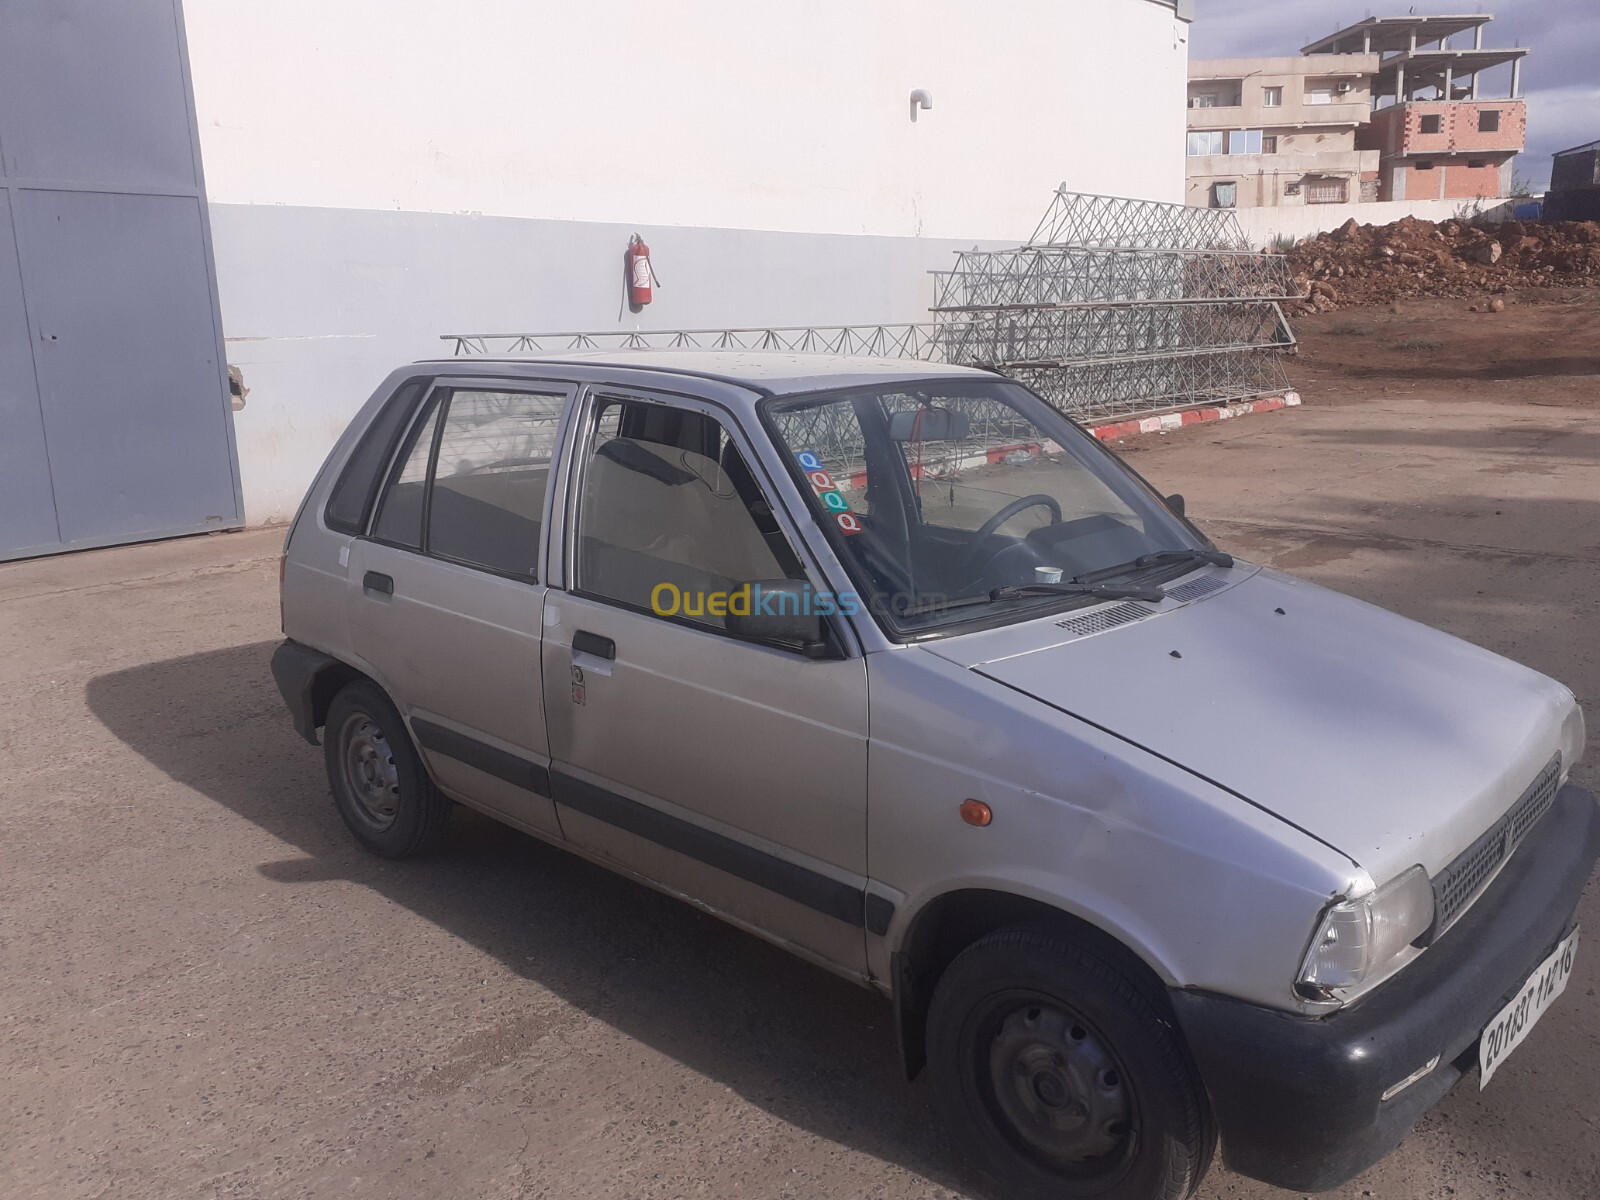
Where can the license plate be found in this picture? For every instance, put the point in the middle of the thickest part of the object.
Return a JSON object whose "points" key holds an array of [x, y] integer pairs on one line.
{"points": [[1516, 1020]]}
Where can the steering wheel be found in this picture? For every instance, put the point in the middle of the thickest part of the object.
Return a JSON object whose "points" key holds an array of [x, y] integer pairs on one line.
{"points": [[988, 528]]}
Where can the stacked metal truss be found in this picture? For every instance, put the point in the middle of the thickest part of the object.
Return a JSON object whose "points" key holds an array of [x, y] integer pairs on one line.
{"points": [[1117, 306]]}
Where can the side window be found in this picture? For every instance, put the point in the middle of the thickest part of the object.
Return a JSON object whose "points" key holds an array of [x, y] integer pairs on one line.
{"points": [[490, 480], [671, 517], [400, 513], [350, 501]]}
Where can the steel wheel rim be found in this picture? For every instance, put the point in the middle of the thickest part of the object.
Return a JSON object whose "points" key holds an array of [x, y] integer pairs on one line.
{"points": [[371, 776], [1055, 1088]]}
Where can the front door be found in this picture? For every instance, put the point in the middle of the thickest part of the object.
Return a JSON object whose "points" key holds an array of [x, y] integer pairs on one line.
{"points": [[729, 771], [446, 600]]}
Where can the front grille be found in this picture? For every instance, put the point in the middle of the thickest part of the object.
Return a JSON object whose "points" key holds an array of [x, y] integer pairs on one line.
{"points": [[1103, 619], [1458, 885], [1196, 588]]}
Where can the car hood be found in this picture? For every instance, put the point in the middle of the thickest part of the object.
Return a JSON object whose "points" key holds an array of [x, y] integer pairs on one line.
{"points": [[1389, 741]]}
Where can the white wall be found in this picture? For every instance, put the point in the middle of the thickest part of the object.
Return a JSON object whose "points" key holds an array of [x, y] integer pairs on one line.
{"points": [[789, 116], [1262, 225], [383, 172]]}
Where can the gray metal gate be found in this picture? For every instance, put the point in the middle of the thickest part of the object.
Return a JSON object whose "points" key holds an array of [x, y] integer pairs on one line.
{"points": [[115, 421]]}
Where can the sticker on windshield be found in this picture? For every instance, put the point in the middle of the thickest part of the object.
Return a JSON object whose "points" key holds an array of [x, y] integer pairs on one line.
{"points": [[828, 493]]}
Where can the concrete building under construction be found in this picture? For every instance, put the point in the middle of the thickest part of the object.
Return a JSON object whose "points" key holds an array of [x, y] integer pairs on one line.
{"points": [[1440, 131], [1385, 109]]}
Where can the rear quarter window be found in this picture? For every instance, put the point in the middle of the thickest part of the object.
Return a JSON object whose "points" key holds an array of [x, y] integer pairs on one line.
{"points": [[350, 502]]}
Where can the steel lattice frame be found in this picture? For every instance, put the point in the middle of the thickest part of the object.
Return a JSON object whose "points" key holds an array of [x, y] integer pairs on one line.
{"points": [[1082, 219], [1007, 337], [1093, 391], [873, 341], [1074, 275]]}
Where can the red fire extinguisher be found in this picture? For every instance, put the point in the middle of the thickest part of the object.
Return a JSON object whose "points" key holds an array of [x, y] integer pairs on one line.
{"points": [[641, 275]]}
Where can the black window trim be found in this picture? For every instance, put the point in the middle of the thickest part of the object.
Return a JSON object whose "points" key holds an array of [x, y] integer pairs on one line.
{"points": [[587, 413], [380, 477], [448, 386]]}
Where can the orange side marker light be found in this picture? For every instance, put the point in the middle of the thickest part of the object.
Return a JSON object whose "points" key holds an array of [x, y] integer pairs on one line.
{"points": [[976, 812]]}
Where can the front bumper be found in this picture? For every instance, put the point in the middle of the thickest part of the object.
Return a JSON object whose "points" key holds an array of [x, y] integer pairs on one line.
{"points": [[1298, 1101]]}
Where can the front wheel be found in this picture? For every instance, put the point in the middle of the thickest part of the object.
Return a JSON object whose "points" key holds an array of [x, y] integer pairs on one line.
{"points": [[1055, 1073], [380, 786]]}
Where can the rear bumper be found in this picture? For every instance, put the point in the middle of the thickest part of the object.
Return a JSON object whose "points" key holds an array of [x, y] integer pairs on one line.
{"points": [[295, 669], [1299, 1101]]}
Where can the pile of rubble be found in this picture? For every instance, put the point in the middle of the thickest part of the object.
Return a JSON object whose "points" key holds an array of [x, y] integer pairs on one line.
{"points": [[1377, 264]]}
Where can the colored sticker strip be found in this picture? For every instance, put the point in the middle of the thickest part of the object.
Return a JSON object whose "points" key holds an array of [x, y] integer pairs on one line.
{"points": [[828, 494]]}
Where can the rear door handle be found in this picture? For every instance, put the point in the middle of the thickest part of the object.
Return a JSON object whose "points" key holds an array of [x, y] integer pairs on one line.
{"points": [[585, 642], [377, 581]]}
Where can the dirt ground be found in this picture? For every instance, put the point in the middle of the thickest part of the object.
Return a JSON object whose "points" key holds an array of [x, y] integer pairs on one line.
{"points": [[206, 990]]}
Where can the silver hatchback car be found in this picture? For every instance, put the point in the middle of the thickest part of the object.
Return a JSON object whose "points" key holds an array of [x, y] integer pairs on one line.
{"points": [[893, 665]]}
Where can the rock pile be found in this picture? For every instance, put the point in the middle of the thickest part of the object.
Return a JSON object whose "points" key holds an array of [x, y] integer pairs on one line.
{"points": [[1377, 264]]}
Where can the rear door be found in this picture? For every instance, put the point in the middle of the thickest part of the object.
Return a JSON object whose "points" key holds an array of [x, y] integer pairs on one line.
{"points": [[730, 771], [446, 598]]}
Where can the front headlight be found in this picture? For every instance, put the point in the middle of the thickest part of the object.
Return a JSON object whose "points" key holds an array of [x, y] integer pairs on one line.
{"points": [[1359, 938]]}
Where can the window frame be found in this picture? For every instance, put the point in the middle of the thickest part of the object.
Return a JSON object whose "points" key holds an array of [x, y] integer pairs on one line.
{"points": [[1422, 124], [1272, 97], [1493, 116], [580, 444], [438, 396]]}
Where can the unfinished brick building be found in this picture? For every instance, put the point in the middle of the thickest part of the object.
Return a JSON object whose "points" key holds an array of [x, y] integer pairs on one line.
{"points": [[1439, 134]]}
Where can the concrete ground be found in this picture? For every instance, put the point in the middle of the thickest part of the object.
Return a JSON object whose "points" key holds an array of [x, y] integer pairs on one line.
{"points": [[207, 990]]}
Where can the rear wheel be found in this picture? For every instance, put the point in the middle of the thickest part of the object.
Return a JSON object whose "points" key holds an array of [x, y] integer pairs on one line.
{"points": [[380, 786], [1056, 1074]]}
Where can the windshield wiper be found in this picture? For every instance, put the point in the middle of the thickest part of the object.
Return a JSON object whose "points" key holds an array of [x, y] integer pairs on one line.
{"points": [[1156, 558], [1078, 588], [1022, 591]]}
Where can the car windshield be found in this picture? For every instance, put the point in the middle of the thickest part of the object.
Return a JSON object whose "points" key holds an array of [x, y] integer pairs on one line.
{"points": [[944, 497]]}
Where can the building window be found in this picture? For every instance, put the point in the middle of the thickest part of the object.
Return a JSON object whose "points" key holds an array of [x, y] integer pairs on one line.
{"points": [[1489, 120], [1244, 141], [1477, 163], [1325, 191], [1424, 166], [1203, 100], [1269, 143], [1223, 194], [1319, 95], [1272, 97], [1432, 123], [1205, 142]]}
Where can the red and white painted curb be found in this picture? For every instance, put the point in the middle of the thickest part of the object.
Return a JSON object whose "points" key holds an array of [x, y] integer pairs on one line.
{"points": [[1194, 416]]}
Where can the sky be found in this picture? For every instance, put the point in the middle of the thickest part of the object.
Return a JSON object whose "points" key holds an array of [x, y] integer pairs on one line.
{"points": [[1560, 77]]}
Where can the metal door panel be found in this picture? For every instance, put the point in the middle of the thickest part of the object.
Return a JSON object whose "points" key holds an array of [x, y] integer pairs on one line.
{"points": [[458, 649], [27, 508], [136, 409], [762, 745], [95, 93]]}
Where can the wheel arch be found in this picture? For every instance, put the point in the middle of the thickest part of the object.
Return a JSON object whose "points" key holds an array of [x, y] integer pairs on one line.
{"points": [[950, 922], [309, 680]]}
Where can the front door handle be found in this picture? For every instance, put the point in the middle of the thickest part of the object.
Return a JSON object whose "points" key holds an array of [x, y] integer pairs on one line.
{"points": [[377, 581], [585, 642]]}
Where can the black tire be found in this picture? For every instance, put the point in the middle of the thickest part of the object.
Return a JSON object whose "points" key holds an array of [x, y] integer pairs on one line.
{"points": [[380, 786], [1056, 1074]]}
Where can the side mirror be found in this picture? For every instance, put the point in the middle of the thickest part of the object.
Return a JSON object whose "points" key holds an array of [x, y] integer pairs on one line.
{"points": [[1175, 503], [781, 610]]}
